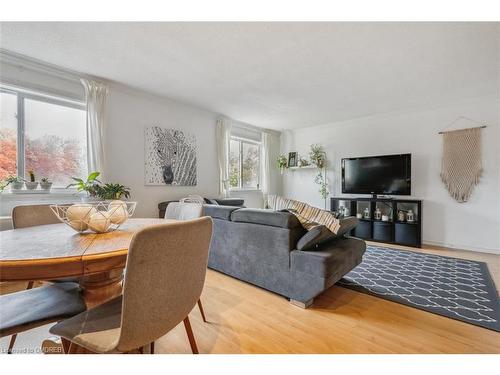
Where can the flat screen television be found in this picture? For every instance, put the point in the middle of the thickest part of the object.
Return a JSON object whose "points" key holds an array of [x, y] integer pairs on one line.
{"points": [[386, 174]]}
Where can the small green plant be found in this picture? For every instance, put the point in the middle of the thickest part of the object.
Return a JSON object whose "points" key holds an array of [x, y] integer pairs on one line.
{"points": [[90, 185], [317, 156], [45, 180], [112, 191], [10, 180], [321, 180], [282, 162], [32, 175]]}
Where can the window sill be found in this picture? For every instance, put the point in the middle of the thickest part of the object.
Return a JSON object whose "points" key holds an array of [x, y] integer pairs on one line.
{"points": [[244, 190]]}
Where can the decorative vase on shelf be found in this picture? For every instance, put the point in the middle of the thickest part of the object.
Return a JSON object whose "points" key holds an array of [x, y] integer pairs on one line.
{"points": [[410, 216], [378, 214], [366, 213]]}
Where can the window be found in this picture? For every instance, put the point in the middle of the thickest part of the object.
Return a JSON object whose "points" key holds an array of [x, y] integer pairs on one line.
{"points": [[43, 134], [244, 164]]}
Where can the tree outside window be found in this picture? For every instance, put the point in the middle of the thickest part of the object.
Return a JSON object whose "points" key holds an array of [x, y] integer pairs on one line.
{"points": [[54, 143], [244, 164]]}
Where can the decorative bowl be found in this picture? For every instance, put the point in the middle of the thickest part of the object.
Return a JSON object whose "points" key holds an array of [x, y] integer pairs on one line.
{"points": [[97, 217]]}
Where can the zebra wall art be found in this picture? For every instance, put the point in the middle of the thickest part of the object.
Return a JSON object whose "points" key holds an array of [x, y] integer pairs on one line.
{"points": [[170, 157]]}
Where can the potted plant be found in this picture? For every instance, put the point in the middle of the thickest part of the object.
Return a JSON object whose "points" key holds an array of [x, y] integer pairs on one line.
{"points": [[112, 191], [31, 184], [16, 183], [89, 186], [317, 156], [45, 183], [282, 162]]}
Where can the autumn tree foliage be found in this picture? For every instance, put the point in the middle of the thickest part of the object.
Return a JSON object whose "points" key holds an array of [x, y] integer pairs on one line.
{"points": [[49, 156]]}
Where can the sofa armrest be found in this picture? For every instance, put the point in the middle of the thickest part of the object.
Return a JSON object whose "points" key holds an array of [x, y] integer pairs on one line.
{"points": [[337, 257]]}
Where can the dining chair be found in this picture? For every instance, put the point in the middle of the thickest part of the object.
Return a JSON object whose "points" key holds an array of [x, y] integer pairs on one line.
{"points": [[32, 308], [30, 216], [185, 210], [165, 273]]}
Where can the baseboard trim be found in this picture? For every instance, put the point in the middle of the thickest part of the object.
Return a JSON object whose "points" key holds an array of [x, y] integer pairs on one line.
{"points": [[475, 249]]}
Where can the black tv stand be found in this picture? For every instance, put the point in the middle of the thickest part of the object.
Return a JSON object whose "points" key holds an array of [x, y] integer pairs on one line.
{"points": [[391, 229]]}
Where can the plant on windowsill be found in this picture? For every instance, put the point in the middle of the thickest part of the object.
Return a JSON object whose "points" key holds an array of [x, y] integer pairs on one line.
{"points": [[112, 191], [45, 184], [32, 184], [15, 183], [90, 186], [282, 162]]}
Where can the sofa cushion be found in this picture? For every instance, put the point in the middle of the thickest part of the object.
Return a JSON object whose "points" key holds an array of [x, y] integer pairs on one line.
{"points": [[335, 256], [319, 234], [313, 238], [230, 201], [210, 201], [265, 217], [219, 212]]}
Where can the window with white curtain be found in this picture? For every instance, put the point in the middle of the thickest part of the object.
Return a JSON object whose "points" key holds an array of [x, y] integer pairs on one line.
{"points": [[244, 164], [44, 134]]}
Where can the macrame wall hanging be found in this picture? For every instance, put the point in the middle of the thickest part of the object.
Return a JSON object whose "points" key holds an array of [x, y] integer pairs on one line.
{"points": [[462, 166]]}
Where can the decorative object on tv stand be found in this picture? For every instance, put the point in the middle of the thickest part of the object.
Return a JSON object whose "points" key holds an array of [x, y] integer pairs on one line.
{"points": [[366, 214], [359, 215], [378, 214], [282, 162], [292, 159], [45, 184], [32, 184], [461, 167], [410, 216], [401, 215], [170, 157], [98, 217], [385, 217]]}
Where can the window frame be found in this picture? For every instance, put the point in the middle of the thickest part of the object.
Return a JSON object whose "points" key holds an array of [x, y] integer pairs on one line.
{"points": [[21, 95], [252, 142]]}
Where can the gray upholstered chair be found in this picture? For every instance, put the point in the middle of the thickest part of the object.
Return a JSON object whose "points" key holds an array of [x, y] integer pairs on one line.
{"points": [[186, 211], [30, 216], [166, 268], [34, 308]]}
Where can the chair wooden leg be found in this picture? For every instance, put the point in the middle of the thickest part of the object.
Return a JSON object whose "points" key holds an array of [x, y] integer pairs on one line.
{"points": [[200, 306], [66, 345], [152, 348], [14, 336], [11, 343], [190, 335]]}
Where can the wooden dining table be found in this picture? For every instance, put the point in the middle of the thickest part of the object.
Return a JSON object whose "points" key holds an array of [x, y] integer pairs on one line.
{"points": [[56, 251]]}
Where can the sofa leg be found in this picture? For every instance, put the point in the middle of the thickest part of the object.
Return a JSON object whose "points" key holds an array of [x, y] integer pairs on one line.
{"points": [[302, 304]]}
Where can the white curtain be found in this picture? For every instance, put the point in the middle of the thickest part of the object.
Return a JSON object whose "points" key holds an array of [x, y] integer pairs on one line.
{"points": [[96, 95], [265, 161], [223, 135]]}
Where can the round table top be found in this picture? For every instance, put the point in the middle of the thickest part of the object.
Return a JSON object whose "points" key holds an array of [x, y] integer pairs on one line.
{"points": [[56, 251]]}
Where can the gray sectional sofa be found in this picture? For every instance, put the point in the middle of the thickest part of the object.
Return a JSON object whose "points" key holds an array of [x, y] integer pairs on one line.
{"points": [[261, 247]]}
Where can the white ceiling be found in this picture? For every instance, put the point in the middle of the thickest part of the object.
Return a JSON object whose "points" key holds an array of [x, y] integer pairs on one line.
{"points": [[278, 75]]}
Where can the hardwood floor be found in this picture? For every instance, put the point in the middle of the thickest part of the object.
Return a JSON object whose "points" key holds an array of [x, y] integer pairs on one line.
{"points": [[245, 319]]}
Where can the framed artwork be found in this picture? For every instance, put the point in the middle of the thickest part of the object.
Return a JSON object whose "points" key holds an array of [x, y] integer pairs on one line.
{"points": [[292, 159], [169, 157]]}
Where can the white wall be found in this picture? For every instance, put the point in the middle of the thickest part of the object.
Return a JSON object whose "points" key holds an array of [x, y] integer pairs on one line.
{"points": [[474, 225], [129, 112]]}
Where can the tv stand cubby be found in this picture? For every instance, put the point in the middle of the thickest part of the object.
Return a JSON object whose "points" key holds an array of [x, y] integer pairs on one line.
{"points": [[391, 230]]}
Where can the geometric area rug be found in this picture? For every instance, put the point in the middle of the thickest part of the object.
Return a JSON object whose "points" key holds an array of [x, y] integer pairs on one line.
{"points": [[456, 288]]}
